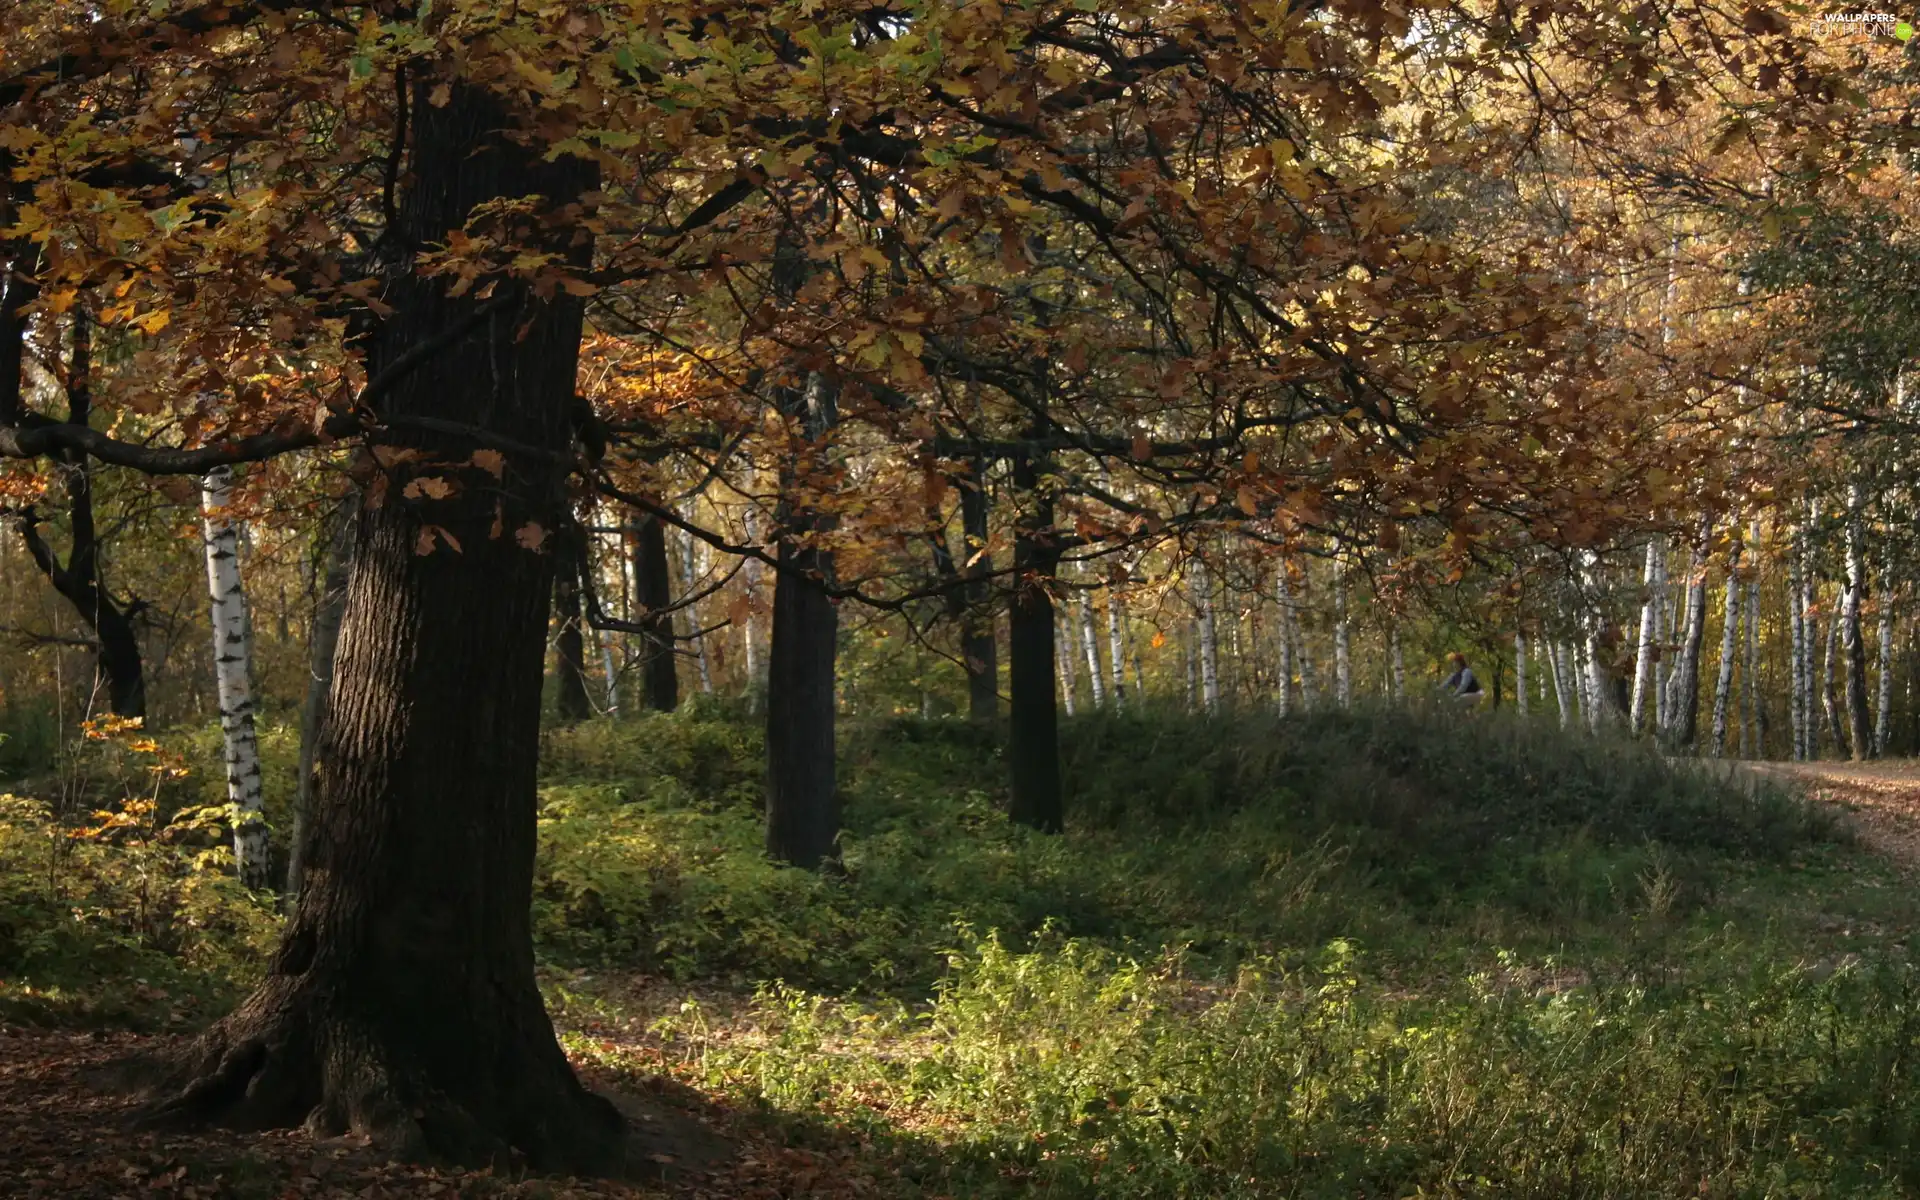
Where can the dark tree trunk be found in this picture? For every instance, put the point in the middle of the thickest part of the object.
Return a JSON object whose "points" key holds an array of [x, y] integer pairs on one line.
{"points": [[571, 701], [1033, 736], [402, 1003], [977, 646], [803, 805], [313, 714], [654, 582], [803, 801], [117, 653]]}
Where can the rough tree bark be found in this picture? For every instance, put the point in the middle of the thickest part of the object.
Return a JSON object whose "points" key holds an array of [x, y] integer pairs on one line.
{"points": [[653, 593], [401, 1003], [117, 647], [233, 677], [321, 642], [803, 798], [1033, 741]]}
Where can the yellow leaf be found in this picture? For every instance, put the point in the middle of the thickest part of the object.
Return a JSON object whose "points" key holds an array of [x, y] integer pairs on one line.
{"points": [[492, 462], [156, 320]]}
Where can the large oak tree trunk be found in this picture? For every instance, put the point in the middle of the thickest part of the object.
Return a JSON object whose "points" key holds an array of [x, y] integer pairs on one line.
{"points": [[321, 643], [402, 1003]]}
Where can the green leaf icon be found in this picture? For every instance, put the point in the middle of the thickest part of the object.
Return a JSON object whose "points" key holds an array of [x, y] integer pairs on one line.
{"points": [[1903, 30]]}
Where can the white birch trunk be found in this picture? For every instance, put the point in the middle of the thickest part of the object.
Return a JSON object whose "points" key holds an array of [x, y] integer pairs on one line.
{"points": [[1090, 645], [1209, 646], [1729, 649], [232, 666], [1643, 659], [1561, 692], [1063, 659], [1827, 706], [1116, 647], [1519, 668], [1342, 639]]}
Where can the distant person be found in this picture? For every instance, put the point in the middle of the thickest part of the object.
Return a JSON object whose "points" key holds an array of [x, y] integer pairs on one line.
{"points": [[1463, 684]]}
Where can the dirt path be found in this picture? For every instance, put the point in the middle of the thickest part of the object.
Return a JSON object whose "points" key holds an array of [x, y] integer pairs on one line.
{"points": [[1882, 798]]}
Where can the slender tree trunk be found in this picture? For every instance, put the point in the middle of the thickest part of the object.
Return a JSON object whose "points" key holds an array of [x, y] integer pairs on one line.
{"points": [[332, 601], [1091, 644], [1853, 644], [1033, 741], [694, 566], [1519, 669], [1302, 658], [751, 573], [1829, 701], [978, 648], [1729, 648], [117, 659], [402, 1004], [1683, 705], [1209, 643], [1797, 649], [1643, 662], [803, 799], [1397, 664], [233, 671], [1342, 639], [653, 593], [1287, 639], [1063, 642], [1756, 713], [1116, 649], [571, 702], [1883, 709], [1556, 657]]}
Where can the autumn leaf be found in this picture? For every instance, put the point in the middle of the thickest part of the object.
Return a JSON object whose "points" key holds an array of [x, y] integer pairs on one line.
{"points": [[531, 536]]}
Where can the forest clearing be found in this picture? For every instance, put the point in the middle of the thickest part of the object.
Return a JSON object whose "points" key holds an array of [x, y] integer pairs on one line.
{"points": [[938, 598]]}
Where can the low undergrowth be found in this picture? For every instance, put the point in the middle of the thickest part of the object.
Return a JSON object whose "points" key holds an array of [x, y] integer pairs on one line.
{"points": [[1352, 954]]}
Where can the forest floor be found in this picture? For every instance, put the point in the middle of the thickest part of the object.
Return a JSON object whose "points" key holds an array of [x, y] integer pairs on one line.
{"points": [[1881, 799], [907, 1056]]}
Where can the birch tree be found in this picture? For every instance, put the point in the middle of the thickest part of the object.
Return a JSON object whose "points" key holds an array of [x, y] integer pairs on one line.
{"points": [[233, 669], [1729, 647]]}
